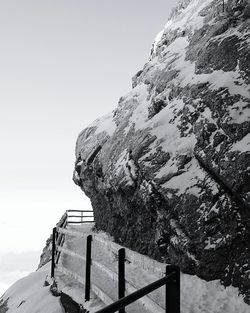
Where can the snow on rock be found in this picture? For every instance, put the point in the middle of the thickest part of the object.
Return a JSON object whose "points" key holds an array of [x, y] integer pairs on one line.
{"points": [[177, 148], [30, 295], [198, 296]]}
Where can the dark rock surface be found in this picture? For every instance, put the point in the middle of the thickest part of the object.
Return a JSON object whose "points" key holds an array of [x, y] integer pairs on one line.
{"points": [[70, 306], [3, 306], [46, 253], [47, 250], [167, 171]]}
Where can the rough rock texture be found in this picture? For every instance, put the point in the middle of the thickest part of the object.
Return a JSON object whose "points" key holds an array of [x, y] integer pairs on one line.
{"points": [[46, 254], [47, 250], [167, 171], [70, 306], [3, 306]]}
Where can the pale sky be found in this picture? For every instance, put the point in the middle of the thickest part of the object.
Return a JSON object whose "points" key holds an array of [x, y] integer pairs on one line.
{"points": [[63, 63]]}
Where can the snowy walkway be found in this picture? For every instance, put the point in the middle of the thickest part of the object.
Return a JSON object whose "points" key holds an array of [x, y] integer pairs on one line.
{"points": [[197, 296], [137, 277]]}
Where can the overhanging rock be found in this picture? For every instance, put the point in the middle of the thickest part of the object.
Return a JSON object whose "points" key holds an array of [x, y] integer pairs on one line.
{"points": [[167, 171]]}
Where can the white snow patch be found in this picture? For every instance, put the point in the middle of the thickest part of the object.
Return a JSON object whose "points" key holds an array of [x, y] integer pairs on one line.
{"points": [[79, 163], [140, 115], [230, 80], [77, 177], [105, 123], [212, 244], [243, 145], [187, 180], [199, 296], [122, 161], [132, 169], [165, 129], [157, 40], [214, 209], [189, 18], [239, 112]]}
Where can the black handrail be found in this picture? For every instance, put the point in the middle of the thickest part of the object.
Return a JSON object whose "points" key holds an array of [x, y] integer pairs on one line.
{"points": [[122, 303], [171, 279], [52, 273], [79, 211], [80, 222], [58, 239], [121, 276], [172, 293], [81, 218], [88, 268]]}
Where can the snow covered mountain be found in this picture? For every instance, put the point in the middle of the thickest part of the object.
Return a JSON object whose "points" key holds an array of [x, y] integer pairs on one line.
{"points": [[167, 171]]}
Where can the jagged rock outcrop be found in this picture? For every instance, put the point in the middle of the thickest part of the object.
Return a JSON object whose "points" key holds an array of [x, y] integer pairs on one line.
{"points": [[3, 306], [47, 250], [167, 171], [46, 253]]}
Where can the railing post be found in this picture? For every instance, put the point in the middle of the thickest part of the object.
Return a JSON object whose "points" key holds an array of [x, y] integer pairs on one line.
{"points": [[88, 268], [66, 219], [121, 275], [56, 243], [53, 253], [173, 290]]}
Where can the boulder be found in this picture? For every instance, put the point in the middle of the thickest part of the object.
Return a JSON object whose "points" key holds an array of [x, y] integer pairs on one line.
{"points": [[167, 171]]}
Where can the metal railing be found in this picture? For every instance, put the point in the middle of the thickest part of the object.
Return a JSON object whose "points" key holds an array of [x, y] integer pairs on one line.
{"points": [[171, 279], [172, 298], [58, 237], [57, 240], [79, 216]]}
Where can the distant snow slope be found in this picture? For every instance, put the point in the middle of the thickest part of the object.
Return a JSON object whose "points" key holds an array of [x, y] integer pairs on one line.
{"points": [[29, 295]]}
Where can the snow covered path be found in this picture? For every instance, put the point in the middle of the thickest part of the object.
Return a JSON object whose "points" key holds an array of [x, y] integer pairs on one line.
{"points": [[136, 276], [197, 296]]}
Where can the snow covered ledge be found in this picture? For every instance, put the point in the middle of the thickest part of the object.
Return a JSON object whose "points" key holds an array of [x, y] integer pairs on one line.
{"points": [[30, 294]]}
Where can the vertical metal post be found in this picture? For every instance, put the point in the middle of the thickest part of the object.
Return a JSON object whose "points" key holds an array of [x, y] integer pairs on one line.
{"points": [[57, 242], [88, 268], [53, 253], [173, 290], [121, 275], [81, 216]]}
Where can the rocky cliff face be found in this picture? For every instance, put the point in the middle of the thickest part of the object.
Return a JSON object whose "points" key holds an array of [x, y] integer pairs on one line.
{"points": [[47, 250], [167, 171]]}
